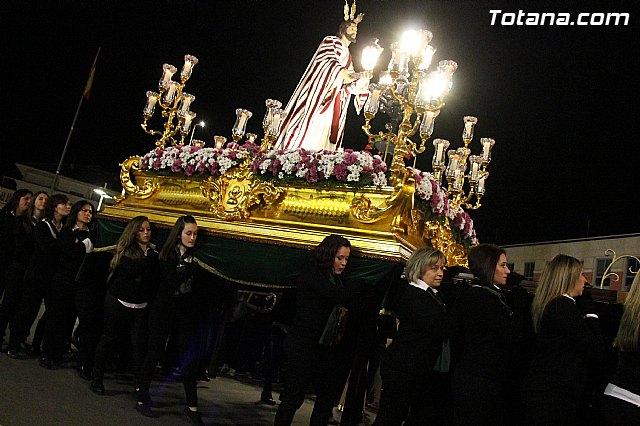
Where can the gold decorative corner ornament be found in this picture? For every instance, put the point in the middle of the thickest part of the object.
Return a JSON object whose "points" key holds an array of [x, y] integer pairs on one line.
{"points": [[440, 236], [233, 193], [127, 167]]}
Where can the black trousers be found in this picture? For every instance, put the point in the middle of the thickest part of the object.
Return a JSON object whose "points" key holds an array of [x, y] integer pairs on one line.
{"points": [[616, 412], [119, 319], [14, 279], [273, 359], [307, 363], [414, 400], [36, 288], [89, 304], [61, 317], [178, 315], [550, 408], [477, 400]]}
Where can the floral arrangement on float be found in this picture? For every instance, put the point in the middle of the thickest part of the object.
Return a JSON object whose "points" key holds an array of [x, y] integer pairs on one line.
{"points": [[346, 168], [192, 160], [433, 201]]}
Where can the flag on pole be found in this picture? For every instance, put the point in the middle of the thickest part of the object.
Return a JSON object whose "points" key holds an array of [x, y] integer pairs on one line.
{"points": [[87, 87]]}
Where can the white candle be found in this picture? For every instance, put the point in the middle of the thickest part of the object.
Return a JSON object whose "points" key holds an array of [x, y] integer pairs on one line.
{"points": [[481, 183], [440, 153], [152, 98], [187, 99], [467, 128], [219, 140], [188, 118], [474, 171], [171, 92], [487, 143]]}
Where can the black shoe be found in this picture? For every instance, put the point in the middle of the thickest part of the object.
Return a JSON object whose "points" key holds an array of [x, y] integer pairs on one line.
{"points": [[19, 352], [85, 374], [49, 363], [194, 416], [267, 398], [204, 377], [144, 409], [97, 387], [143, 397]]}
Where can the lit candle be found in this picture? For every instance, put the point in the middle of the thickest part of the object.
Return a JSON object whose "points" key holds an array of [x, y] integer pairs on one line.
{"points": [[385, 78], [474, 171], [427, 57]]}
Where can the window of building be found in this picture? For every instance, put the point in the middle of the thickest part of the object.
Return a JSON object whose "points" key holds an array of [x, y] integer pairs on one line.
{"points": [[601, 265], [632, 264], [529, 267]]}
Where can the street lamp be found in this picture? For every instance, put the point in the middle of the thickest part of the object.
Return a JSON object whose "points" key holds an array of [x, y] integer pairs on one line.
{"points": [[102, 195], [201, 124]]}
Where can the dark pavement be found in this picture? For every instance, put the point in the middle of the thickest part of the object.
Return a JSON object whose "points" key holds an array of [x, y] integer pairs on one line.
{"points": [[31, 395]]}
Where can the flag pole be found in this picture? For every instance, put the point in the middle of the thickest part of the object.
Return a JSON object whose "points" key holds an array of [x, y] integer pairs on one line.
{"points": [[85, 94]]}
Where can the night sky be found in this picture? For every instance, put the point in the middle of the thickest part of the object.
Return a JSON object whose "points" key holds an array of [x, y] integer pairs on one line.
{"points": [[558, 100]]}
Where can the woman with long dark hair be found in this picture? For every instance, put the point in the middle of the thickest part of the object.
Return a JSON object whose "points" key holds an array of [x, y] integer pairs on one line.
{"points": [[174, 310], [16, 241], [420, 350], [132, 280], [490, 329], [309, 344], [74, 242], [568, 343], [22, 253], [37, 278], [621, 400]]}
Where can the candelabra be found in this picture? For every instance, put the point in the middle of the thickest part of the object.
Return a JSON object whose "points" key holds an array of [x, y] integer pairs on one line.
{"points": [[175, 104], [408, 88]]}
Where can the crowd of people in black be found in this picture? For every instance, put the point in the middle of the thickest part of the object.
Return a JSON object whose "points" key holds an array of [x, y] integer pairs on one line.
{"points": [[475, 351]]}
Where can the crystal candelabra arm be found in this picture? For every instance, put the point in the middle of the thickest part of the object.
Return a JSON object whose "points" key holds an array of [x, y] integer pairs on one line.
{"points": [[398, 97]]}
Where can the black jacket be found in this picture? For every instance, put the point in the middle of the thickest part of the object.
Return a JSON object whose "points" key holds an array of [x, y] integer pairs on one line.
{"points": [[567, 345], [490, 330], [316, 297], [424, 324], [136, 280]]}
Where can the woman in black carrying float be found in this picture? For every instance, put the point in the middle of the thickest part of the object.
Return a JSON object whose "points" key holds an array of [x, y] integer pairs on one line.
{"points": [[309, 345], [174, 310], [412, 366], [491, 330], [133, 278]]}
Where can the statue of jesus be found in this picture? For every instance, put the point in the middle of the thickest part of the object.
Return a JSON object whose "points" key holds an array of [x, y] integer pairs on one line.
{"points": [[317, 111]]}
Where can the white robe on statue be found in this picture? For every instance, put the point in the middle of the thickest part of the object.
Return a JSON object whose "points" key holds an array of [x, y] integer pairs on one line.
{"points": [[317, 110]]}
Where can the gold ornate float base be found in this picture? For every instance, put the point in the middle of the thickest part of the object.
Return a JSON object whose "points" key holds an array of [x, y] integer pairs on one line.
{"points": [[380, 222]]}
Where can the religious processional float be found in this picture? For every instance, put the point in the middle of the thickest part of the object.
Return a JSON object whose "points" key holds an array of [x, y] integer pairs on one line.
{"points": [[246, 191]]}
